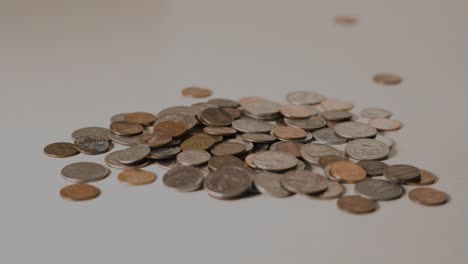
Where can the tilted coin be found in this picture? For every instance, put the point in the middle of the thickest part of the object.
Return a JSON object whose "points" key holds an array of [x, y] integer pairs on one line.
{"points": [[85, 172], [91, 131], [373, 167], [247, 99], [385, 124], [61, 150], [202, 106], [172, 128], [217, 162], [184, 179], [193, 157], [142, 118], [401, 173], [220, 131], [258, 138], [345, 20], [260, 147], [298, 111], [133, 154], [92, 145], [336, 115], [387, 79], [427, 178], [312, 152], [137, 177], [377, 189], [355, 130], [326, 171], [356, 204], [304, 97], [223, 103], [367, 149], [291, 147], [228, 182], [168, 164], [347, 171], [305, 182], [262, 108], [428, 196], [248, 125], [325, 161], [163, 153], [216, 117], [334, 190], [248, 145], [228, 148], [188, 120], [375, 112], [124, 140], [308, 124], [328, 136], [336, 104], [249, 160], [200, 141], [196, 92], [118, 117], [126, 128], [176, 110], [387, 141], [270, 183], [79, 192], [234, 112], [289, 133], [264, 118], [155, 139], [274, 160], [112, 161]]}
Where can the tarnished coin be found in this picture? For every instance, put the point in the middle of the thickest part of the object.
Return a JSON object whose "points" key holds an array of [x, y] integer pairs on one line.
{"points": [[325, 161], [354, 130], [223, 103], [248, 145], [80, 192], [217, 162], [142, 118], [177, 110], [137, 177], [124, 140], [387, 79], [312, 152], [373, 167], [196, 92], [356, 204], [345, 20], [163, 153], [328, 136], [172, 128], [184, 179], [228, 148], [258, 138], [61, 150], [428, 196], [304, 97], [262, 108], [92, 145], [154, 140], [274, 160], [91, 131], [375, 112], [126, 128], [308, 124], [85, 172], [228, 182], [270, 184], [188, 120], [385, 124], [249, 160], [401, 173], [427, 178], [216, 117], [200, 141], [289, 133], [193, 157], [305, 182], [298, 111], [291, 147], [347, 171], [336, 115], [260, 147], [112, 161], [220, 131], [234, 112], [334, 190], [133, 154], [248, 125], [336, 104], [387, 141], [367, 149], [376, 189]]}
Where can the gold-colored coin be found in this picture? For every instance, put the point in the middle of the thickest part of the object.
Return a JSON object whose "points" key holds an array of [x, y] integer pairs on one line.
{"points": [[428, 196], [137, 177], [142, 118], [347, 171], [291, 133], [61, 150], [80, 192], [345, 20], [196, 92], [385, 124], [173, 128], [200, 141], [387, 79]]}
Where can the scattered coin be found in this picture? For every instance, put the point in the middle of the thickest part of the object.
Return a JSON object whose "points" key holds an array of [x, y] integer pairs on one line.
{"points": [[216, 117], [312, 152], [85, 172], [345, 20], [308, 124], [200, 141], [248, 125], [80, 192], [333, 191], [224, 103], [188, 120], [427, 178], [113, 162], [228, 148], [217, 162], [126, 128], [367, 149], [298, 111], [336, 115], [387, 79], [377, 189], [356, 204], [154, 140], [347, 171], [402, 173], [193, 157], [196, 92], [247, 99], [291, 147], [124, 140], [61, 150], [375, 112], [163, 153], [220, 131], [387, 141], [177, 110], [305, 182], [325, 161], [336, 104], [142, 118], [184, 179], [270, 183], [133, 154], [92, 145], [354, 130], [304, 98], [258, 138], [385, 124], [289, 133], [172, 128], [137, 177], [428, 196], [228, 182], [262, 108], [373, 167], [91, 131], [274, 161], [328, 136]]}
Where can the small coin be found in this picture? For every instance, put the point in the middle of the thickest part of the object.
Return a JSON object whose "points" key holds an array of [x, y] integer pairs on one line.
{"points": [[308, 124], [196, 92], [172, 128], [258, 138], [200, 141], [137, 177], [345, 20], [427, 178], [184, 179], [177, 110], [304, 97], [224, 103], [61, 150], [289, 133], [188, 120], [92, 145], [385, 124], [367, 149], [333, 191], [325, 161], [217, 162], [155, 139], [377, 189], [336, 104], [305, 182], [328, 136], [124, 140], [248, 125], [220, 131], [373, 167], [163, 153], [375, 112], [228, 182], [91, 131], [387, 79], [402, 173], [112, 161], [270, 184], [126, 128], [312, 152], [356, 204], [80, 192], [347, 171], [193, 157], [298, 111], [428, 196], [133, 154], [336, 115], [355, 130], [387, 141], [85, 172], [291, 147], [168, 164], [274, 160], [228, 148], [142, 118], [247, 99]]}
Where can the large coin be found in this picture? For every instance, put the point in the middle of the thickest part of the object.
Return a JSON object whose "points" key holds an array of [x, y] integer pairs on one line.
{"points": [[304, 97], [248, 125], [274, 160], [373, 167], [305, 182], [385, 124], [61, 150], [336, 104], [163, 153], [92, 145], [85, 172], [142, 118], [378, 189], [228, 182], [80, 192], [356, 204], [193, 157], [223, 103], [91, 131], [298, 111], [184, 179], [137, 177], [179, 109], [312, 152], [270, 183], [336, 115], [354, 130], [289, 133], [428, 196], [124, 140], [188, 120], [375, 112], [216, 117], [328, 136], [308, 124], [133, 154], [367, 149], [402, 173]]}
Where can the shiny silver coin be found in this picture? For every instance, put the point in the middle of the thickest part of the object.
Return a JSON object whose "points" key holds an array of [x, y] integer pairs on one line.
{"points": [[312, 152], [367, 149], [333, 191], [193, 157], [373, 167], [258, 138], [375, 112], [228, 148], [188, 120], [85, 172], [184, 179], [270, 184], [248, 125], [401, 173], [228, 182], [248, 145], [308, 124], [304, 97], [262, 108], [223, 103], [355, 130], [376, 189], [336, 115], [305, 182], [328, 136], [387, 141], [274, 161], [111, 161], [216, 117], [163, 153], [91, 131], [133, 154], [123, 140], [92, 145], [186, 110]]}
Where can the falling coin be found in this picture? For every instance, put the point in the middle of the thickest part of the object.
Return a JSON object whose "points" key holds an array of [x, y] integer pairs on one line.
{"points": [[196, 92], [345, 20], [61, 150], [85, 172], [80, 192], [387, 79], [356, 204], [137, 177], [428, 196]]}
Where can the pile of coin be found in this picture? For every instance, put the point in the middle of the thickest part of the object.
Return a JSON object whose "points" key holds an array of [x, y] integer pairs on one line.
{"points": [[310, 145]]}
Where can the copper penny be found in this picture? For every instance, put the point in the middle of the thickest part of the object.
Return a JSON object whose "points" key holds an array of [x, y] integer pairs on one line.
{"points": [[428, 196], [289, 132], [234, 112], [154, 140], [126, 128], [385, 124], [173, 128], [427, 178], [387, 79], [345, 20], [336, 104], [220, 131], [247, 99], [80, 192], [347, 171], [291, 147], [329, 159], [200, 141], [142, 118], [61, 150], [249, 160], [298, 111], [196, 92], [356, 204], [217, 162], [137, 177]]}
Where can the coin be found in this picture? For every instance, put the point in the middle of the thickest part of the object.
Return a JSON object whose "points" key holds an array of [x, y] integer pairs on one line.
{"points": [[356, 204], [375, 112], [262, 108], [228, 182], [200, 141], [428, 196], [168, 164], [427, 178], [224, 103], [228, 148], [308, 124], [112, 161], [336, 115], [137, 177], [193, 157], [274, 160], [304, 97], [142, 118], [325, 161], [328, 136], [347, 171], [196, 92], [247, 99], [367, 149], [234, 112], [289, 133], [345, 20], [336, 104], [312, 152], [217, 162], [216, 117], [291, 147], [188, 120], [305, 182], [163, 153], [387, 141], [126, 128], [354, 130], [79, 192], [61, 150], [92, 145], [373, 167], [248, 125], [377, 189], [258, 138], [402, 173], [133, 154], [91, 131], [249, 160], [248, 145], [298, 111], [220, 131], [84, 172], [334, 190], [172, 128], [387, 79], [177, 110], [270, 184], [124, 140], [184, 179], [155, 139], [385, 124], [326, 171]]}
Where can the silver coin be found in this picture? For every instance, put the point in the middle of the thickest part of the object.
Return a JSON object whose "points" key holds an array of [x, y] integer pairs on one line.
{"points": [[167, 164], [193, 157], [375, 112], [186, 110], [163, 153], [133, 154], [376, 189], [228, 148], [258, 138], [111, 161], [355, 130], [188, 120], [329, 136], [270, 184], [184, 179], [401, 173], [248, 125], [85, 172], [91, 131], [274, 160], [216, 117], [123, 140], [367, 149], [262, 108], [223, 103], [308, 124], [228, 182], [333, 191], [387, 141], [312, 152], [336, 115], [248, 145], [304, 97], [92, 145], [305, 182]]}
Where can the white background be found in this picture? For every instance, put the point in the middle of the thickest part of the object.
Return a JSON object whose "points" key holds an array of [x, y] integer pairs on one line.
{"points": [[70, 64]]}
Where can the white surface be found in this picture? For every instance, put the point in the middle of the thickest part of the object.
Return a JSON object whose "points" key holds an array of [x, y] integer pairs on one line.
{"points": [[70, 64]]}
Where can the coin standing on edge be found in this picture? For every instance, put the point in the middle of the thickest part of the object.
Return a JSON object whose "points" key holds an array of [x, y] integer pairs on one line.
{"points": [[80, 192]]}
